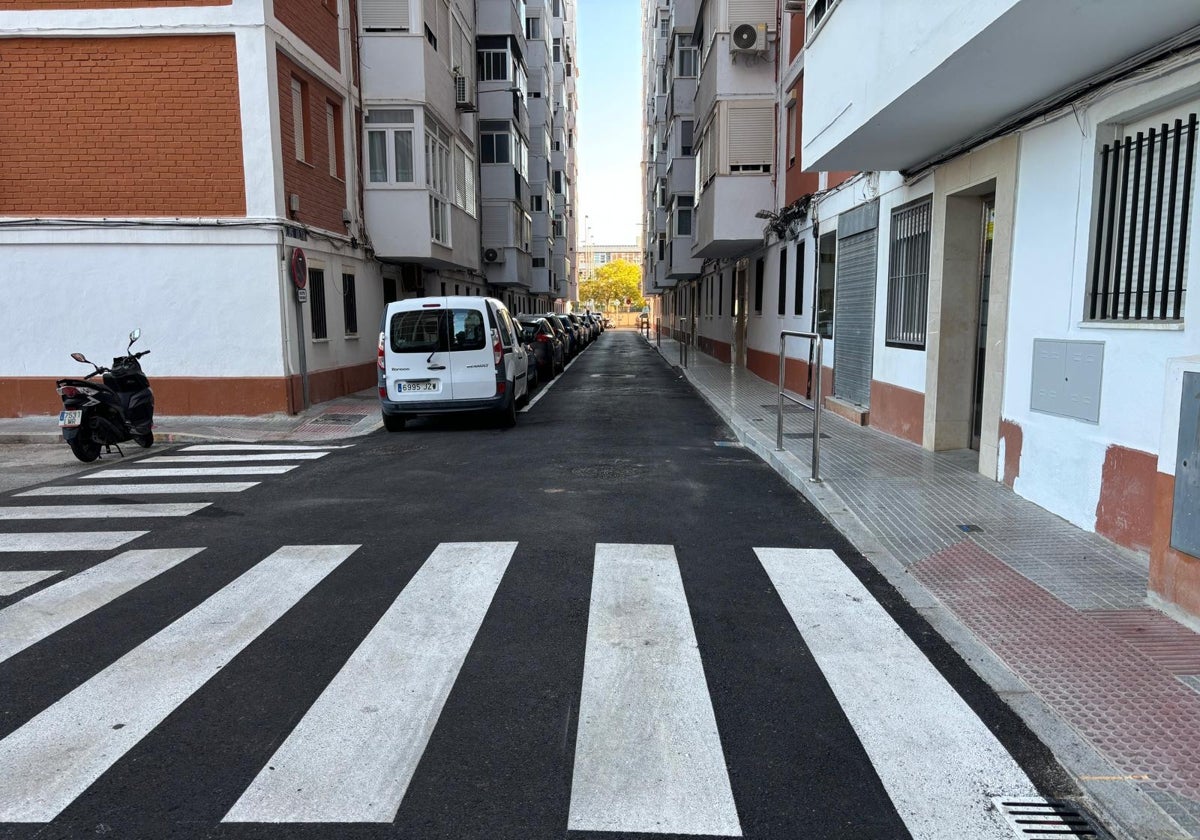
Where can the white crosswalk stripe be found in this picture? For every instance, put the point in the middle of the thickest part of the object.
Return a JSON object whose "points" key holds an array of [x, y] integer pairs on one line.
{"points": [[67, 540], [51, 609], [180, 472], [48, 762], [246, 456], [648, 756], [198, 488], [940, 765], [99, 511], [352, 756], [13, 582], [258, 447]]}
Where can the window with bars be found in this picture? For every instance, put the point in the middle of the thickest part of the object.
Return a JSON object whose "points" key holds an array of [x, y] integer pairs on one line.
{"points": [[908, 275], [1143, 204], [316, 303], [349, 304]]}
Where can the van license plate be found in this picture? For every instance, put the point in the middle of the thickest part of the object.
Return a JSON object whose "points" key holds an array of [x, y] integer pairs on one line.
{"points": [[69, 419], [422, 385]]}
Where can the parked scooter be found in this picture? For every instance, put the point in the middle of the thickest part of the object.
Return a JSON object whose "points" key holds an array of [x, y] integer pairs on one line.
{"points": [[120, 409]]}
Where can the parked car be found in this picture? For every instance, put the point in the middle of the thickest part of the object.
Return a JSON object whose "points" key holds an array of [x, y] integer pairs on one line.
{"points": [[574, 331], [439, 355], [585, 335], [563, 333], [546, 344]]}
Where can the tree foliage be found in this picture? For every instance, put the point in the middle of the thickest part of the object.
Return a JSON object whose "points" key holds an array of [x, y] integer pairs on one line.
{"points": [[613, 283]]}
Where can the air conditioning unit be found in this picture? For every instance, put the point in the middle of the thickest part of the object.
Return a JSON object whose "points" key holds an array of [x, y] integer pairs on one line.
{"points": [[464, 96], [749, 38], [493, 255]]}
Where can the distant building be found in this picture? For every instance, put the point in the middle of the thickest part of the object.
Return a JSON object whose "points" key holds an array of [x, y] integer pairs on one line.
{"points": [[592, 257]]}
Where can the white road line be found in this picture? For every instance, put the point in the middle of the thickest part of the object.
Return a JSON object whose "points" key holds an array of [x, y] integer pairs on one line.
{"points": [[67, 540], [938, 762], [258, 447], [51, 609], [99, 511], [135, 489], [48, 762], [180, 472], [351, 757], [11, 582], [248, 456], [648, 755]]}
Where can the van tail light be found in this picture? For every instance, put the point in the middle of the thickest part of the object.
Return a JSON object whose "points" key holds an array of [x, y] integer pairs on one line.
{"points": [[379, 356], [497, 347]]}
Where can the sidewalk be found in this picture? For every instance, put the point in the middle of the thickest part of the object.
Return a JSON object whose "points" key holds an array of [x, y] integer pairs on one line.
{"points": [[349, 416], [1053, 617]]}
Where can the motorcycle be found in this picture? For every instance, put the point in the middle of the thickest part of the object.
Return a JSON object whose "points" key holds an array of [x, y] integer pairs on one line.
{"points": [[99, 415]]}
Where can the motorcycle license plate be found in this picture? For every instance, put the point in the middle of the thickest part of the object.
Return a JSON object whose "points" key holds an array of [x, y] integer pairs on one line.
{"points": [[69, 419]]}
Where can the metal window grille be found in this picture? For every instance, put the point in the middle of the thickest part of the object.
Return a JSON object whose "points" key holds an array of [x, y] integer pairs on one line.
{"points": [[908, 276], [349, 304], [1141, 224], [316, 302]]}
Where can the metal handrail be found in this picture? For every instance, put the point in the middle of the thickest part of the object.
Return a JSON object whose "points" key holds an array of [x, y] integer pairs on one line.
{"points": [[815, 408]]}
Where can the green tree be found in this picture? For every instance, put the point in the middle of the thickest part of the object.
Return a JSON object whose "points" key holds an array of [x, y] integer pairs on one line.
{"points": [[613, 283]]}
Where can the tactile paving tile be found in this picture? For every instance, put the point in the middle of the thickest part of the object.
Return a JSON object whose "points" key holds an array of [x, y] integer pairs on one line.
{"points": [[1131, 708]]}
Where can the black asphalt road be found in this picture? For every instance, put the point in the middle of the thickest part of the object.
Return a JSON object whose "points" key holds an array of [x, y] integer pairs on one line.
{"points": [[620, 450]]}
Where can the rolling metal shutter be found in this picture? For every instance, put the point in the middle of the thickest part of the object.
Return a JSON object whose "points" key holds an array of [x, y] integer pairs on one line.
{"points": [[384, 14], [854, 304]]}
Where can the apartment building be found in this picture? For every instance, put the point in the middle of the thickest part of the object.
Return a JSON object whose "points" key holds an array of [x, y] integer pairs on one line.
{"points": [[186, 166], [592, 256], [993, 242], [564, 162]]}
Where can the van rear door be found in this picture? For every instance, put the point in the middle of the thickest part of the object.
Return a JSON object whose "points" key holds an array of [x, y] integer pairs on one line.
{"points": [[418, 353], [471, 357]]}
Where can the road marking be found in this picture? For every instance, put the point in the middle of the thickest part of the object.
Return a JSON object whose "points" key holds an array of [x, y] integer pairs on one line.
{"points": [[179, 472], [648, 755], [246, 456], [938, 762], [551, 383], [67, 540], [12, 582], [259, 447], [48, 762], [352, 756], [51, 609], [134, 489], [99, 511]]}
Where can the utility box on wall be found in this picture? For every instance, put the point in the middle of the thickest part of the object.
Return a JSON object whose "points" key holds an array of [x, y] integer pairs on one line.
{"points": [[1067, 377], [1185, 519]]}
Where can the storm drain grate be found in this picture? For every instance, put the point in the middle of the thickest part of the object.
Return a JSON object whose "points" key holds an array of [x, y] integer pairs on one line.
{"points": [[1041, 819], [336, 419]]}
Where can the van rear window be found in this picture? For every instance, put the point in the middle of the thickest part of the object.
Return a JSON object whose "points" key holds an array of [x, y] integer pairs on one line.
{"points": [[437, 330]]}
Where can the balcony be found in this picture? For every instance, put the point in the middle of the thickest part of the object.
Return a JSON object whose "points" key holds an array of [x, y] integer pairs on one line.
{"points": [[888, 86], [725, 222], [680, 263], [399, 225]]}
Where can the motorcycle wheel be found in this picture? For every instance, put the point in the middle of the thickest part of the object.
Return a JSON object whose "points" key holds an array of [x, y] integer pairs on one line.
{"points": [[145, 441], [84, 448]]}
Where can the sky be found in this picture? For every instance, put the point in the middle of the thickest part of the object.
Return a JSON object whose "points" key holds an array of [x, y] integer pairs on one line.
{"points": [[610, 121]]}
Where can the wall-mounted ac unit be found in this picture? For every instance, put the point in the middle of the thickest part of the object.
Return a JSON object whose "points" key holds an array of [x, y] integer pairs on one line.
{"points": [[493, 255], [464, 94], [750, 38]]}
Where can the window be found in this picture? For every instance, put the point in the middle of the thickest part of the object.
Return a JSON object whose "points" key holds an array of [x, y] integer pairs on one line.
{"points": [[1144, 196], [792, 117], [439, 178], [720, 291], [797, 277], [687, 130], [464, 179], [664, 26], [333, 138], [537, 204], [557, 50], [683, 215], [783, 261], [539, 262], [390, 150], [533, 28], [760, 268], [349, 304], [558, 182], [686, 57], [908, 275], [495, 147], [299, 139], [493, 65], [826, 276], [815, 13], [316, 303]]}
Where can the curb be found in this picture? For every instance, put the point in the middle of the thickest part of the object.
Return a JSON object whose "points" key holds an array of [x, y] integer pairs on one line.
{"points": [[1127, 811]]}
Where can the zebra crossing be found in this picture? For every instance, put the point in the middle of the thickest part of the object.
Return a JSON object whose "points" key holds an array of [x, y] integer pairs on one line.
{"points": [[648, 749]]}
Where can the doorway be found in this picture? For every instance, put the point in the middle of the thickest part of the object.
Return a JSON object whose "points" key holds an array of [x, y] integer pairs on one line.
{"points": [[985, 284]]}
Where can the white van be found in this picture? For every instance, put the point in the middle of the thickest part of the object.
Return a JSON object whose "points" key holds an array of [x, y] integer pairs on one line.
{"points": [[447, 354]]}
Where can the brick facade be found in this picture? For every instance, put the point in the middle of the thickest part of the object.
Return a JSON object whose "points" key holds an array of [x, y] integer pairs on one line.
{"points": [[144, 126], [315, 22], [322, 196]]}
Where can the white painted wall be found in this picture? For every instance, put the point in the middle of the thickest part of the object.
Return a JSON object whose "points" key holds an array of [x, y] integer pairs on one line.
{"points": [[1051, 250]]}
